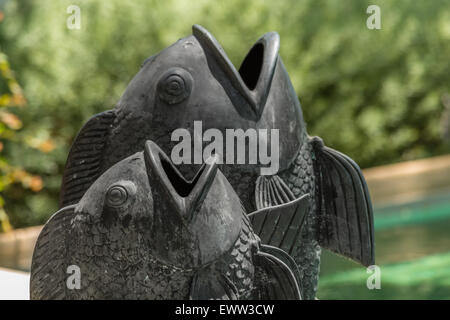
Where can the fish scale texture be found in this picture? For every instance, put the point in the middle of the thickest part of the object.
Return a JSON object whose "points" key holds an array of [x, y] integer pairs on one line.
{"points": [[301, 180], [115, 264], [299, 177], [238, 264], [128, 136]]}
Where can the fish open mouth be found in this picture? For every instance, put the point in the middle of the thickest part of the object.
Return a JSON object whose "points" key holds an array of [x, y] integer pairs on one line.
{"points": [[185, 195], [251, 67], [255, 75], [181, 185]]}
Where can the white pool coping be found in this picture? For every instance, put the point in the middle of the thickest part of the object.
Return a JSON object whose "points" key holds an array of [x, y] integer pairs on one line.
{"points": [[14, 285]]}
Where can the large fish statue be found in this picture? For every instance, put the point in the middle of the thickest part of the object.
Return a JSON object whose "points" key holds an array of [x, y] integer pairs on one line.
{"points": [[142, 231], [193, 80]]}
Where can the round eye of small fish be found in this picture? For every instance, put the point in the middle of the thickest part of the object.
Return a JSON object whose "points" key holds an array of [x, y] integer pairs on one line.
{"points": [[116, 196], [175, 85]]}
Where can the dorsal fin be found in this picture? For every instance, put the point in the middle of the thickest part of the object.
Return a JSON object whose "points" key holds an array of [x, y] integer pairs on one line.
{"points": [[281, 225], [277, 282], [84, 162]]}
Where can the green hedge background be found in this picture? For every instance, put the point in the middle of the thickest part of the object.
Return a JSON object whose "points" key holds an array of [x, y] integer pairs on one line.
{"points": [[377, 95]]}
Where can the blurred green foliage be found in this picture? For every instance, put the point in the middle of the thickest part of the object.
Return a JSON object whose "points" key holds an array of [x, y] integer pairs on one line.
{"points": [[10, 174], [373, 94]]}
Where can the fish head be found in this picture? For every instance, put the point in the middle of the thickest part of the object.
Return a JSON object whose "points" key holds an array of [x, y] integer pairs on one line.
{"points": [[120, 199], [145, 200], [195, 221], [194, 80]]}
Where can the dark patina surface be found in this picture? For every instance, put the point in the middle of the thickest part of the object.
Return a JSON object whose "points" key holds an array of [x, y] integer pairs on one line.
{"points": [[193, 80], [142, 231]]}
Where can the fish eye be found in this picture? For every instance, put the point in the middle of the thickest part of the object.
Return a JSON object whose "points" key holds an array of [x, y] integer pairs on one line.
{"points": [[116, 196], [175, 85]]}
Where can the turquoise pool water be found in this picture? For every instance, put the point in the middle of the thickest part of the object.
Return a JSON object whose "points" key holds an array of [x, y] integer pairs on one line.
{"points": [[412, 251]]}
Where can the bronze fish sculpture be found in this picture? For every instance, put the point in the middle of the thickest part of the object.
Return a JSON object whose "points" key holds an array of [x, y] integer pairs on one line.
{"points": [[193, 80], [142, 231]]}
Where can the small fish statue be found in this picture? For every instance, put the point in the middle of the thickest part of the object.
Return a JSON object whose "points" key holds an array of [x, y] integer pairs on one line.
{"points": [[142, 231], [194, 80]]}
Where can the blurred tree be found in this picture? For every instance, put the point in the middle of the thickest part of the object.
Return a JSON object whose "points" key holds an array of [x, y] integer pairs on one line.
{"points": [[11, 96], [445, 119], [374, 94]]}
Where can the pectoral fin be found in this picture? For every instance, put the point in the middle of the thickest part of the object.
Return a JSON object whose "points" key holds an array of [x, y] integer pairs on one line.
{"points": [[274, 279], [280, 225], [209, 284]]}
